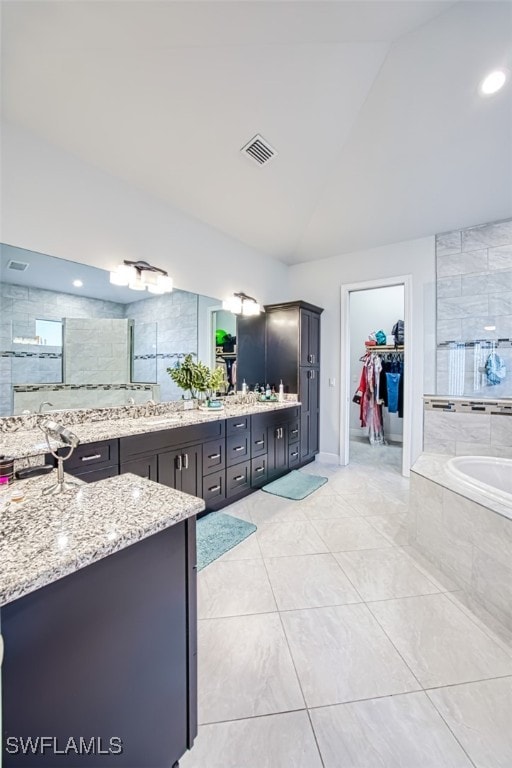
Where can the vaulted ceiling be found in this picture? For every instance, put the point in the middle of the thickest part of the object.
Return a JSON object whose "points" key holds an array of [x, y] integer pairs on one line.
{"points": [[373, 108]]}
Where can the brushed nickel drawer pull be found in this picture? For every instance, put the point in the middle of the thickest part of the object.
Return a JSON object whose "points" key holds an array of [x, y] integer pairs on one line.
{"points": [[296, 453], [240, 425], [179, 462], [239, 477], [240, 448], [185, 461], [90, 458], [260, 469], [214, 488], [295, 431], [259, 442], [214, 456]]}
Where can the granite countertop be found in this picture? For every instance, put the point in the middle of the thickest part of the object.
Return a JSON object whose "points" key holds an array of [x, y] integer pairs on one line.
{"points": [[44, 538], [31, 442]]}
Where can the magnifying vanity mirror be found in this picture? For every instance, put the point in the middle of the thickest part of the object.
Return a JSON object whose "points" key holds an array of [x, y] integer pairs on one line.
{"points": [[71, 339]]}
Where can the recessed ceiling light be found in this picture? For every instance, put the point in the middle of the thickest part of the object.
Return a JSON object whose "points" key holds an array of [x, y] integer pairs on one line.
{"points": [[77, 283], [493, 82], [489, 327]]}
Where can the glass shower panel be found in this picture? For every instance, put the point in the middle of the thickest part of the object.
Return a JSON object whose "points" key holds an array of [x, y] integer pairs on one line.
{"points": [[144, 352]]}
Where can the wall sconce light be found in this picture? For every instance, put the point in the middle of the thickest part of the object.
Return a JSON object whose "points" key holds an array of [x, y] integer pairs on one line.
{"points": [[241, 304], [139, 276]]}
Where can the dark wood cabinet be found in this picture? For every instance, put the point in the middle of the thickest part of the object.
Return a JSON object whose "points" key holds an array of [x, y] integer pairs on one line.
{"points": [[143, 467], [293, 356], [115, 655], [182, 469], [310, 412], [309, 325]]}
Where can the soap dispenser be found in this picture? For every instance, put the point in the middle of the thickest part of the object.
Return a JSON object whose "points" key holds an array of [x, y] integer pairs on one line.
{"points": [[280, 395]]}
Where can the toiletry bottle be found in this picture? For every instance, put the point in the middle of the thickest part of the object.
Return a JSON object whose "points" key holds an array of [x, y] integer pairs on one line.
{"points": [[244, 387], [281, 392], [268, 392]]}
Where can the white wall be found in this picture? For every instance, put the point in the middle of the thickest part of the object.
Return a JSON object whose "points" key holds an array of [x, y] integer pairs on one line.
{"points": [[373, 310], [319, 282], [54, 203]]}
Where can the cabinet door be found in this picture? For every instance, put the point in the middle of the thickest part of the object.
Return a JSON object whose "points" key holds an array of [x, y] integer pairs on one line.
{"points": [[192, 470], [169, 472], [305, 332], [277, 439], [309, 337], [145, 467], [309, 395], [314, 338]]}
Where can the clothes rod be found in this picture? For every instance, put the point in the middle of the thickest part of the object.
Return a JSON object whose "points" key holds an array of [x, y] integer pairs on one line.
{"points": [[383, 348]]}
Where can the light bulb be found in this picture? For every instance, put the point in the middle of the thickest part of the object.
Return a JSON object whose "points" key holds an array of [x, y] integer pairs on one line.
{"points": [[493, 82]]}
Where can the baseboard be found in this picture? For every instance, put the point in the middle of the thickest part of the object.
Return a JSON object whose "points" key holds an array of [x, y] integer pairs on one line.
{"points": [[328, 458]]}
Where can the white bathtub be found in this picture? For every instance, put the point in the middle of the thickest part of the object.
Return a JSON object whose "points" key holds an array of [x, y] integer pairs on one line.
{"points": [[489, 476]]}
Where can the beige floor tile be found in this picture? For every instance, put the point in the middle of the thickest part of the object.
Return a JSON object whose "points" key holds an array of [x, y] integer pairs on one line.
{"points": [[327, 507], [392, 732], [248, 549], [309, 581], [380, 574], [273, 741], [341, 654], [393, 527], [289, 538], [245, 669], [234, 588], [349, 533], [480, 716], [439, 642]]}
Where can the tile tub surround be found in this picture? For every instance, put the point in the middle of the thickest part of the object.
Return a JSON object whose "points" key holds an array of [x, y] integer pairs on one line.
{"points": [[466, 539], [110, 423], [473, 290], [47, 537], [467, 427], [330, 606]]}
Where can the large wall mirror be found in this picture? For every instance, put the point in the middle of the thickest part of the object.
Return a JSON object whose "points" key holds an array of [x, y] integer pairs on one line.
{"points": [[70, 339]]}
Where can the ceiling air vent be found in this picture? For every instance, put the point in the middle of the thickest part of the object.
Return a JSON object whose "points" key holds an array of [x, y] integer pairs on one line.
{"points": [[259, 150], [17, 266]]}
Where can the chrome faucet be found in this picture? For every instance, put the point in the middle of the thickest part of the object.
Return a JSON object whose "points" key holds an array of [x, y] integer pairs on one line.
{"points": [[131, 401], [42, 405], [150, 404]]}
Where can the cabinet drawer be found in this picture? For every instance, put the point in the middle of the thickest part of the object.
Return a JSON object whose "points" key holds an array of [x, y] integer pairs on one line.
{"points": [[238, 478], [294, 431], [92, 475], [214, 487], [237, 425], [92, 454], [259, 472], [293, 454], [214, 456], [237, 449], [258, 441]]}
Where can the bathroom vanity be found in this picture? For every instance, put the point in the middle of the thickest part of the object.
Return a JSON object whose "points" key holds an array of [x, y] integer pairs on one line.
{"points": [[98, 584], [98, 617]]}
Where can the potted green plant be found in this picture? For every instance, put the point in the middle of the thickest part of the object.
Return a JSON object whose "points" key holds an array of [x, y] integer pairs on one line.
{"points": [[197, 379]]}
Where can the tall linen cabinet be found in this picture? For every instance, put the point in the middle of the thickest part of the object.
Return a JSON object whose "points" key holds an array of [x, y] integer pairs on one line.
{"points": [[292, 345]]}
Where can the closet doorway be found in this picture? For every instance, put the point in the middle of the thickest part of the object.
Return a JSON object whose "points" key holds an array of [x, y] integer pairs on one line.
{"points": [[376, 385]]}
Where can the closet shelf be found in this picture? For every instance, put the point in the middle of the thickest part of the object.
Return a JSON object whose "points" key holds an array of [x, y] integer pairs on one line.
{"points": [[384, 348]]}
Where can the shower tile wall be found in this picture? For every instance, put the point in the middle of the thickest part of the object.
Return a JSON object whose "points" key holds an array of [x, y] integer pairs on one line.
{"points": [[21, 307], [176, 317], [474, 291]]}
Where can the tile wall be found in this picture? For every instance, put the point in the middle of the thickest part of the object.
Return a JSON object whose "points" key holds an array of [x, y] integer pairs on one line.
{"points": [[176, 317], [96, 350], [474, 308]]}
